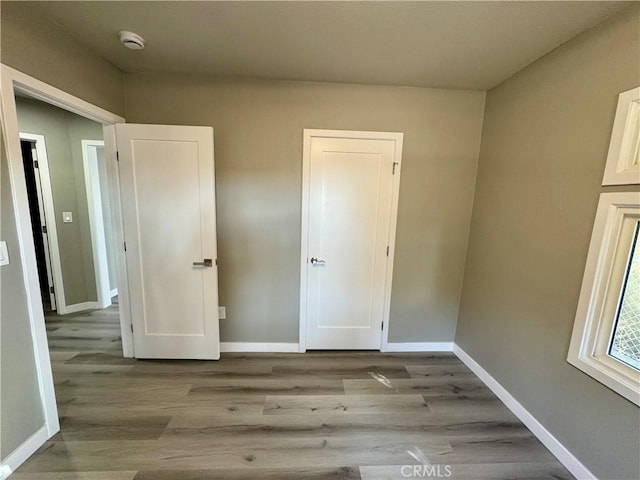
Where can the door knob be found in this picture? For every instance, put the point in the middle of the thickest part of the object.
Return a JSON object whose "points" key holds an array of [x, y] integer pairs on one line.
{"points": [[207, 262], [317, 261]]}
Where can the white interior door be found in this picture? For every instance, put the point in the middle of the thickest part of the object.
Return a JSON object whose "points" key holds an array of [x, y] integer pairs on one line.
{"points": [[168, 205], [352, 203]]}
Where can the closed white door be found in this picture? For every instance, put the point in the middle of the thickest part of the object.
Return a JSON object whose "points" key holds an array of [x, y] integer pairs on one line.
{"points": [[168, 205], [351, 205]]}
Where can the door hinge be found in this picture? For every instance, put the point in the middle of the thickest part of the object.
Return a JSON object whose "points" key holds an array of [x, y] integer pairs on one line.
{"points": [[51, 290], [36, 164], [387, 250], [131, 325], [117, 156], [44, 229], [125, 246], [393, 170], [382, 326], [216, 262]]}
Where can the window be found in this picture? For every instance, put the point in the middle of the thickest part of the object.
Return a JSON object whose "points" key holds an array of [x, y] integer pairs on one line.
{"points": [[625, 342], [606, 335], [623, 160]]}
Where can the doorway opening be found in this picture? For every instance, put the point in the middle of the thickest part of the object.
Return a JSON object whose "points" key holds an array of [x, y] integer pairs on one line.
{"points": [[66, 177], [67, 188], [65, 220]]}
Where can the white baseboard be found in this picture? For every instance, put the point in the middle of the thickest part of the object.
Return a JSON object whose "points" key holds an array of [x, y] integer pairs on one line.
{"points": [[420, 347], [259, 347], [548, 440], [24, 451], [5, 471], [79, 307]]}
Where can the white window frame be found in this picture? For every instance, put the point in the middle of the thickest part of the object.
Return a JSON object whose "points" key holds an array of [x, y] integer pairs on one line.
{"points": [[607, 261], [622, 167]]}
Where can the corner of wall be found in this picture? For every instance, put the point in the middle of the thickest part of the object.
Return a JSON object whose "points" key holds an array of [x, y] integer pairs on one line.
{"points": [[33, 44]]}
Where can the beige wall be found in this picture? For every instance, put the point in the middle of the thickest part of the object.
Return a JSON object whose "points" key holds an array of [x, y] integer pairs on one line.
{"points": [[545, 140], [20, 408], [64, 132], [544, 145], [258, 143], [36, 46]]}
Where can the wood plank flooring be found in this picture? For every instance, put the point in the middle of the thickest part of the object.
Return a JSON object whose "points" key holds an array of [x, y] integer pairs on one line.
{"points": [[317, 416]]}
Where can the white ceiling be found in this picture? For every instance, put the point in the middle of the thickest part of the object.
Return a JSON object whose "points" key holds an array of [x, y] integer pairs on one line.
{"points": [[466, 45]]}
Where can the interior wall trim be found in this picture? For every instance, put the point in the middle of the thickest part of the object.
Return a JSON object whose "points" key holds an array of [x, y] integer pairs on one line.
{"points": [[79, 307], [562, 453], [266, 347], [420, 347], [23, 452], [272, 347]]}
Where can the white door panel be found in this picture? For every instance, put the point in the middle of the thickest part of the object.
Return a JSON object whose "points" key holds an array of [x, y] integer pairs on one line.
{"points": [[351, 186], [167, 178]]}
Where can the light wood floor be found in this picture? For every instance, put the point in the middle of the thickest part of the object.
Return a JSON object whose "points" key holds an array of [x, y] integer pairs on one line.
{"points": [[323, 415]]}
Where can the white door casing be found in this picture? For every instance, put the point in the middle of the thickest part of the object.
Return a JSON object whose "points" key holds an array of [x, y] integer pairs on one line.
{"points": [[350, 193], [96, 219], [168, 203]]}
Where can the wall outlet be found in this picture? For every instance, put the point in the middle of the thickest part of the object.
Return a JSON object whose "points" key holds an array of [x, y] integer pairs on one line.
{"points": [[222, 313], [67, 217]]}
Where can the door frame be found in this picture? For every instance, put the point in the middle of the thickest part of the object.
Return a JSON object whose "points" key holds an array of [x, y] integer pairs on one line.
{"points": [[47, 218], [96, 220], [308, 134], [12, 81], [44, 175]]}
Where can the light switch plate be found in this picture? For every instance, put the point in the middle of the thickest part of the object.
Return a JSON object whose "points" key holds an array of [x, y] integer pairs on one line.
{"points": [[67, 217], [4, 254], [222, 313]]}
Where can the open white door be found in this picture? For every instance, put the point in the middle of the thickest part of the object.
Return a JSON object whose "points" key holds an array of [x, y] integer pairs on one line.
{"points": [[38, 153], [349, 218], [168, 205]]}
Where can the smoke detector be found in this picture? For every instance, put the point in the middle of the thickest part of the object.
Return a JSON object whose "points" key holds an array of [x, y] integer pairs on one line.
{"points": [[131, 40]]}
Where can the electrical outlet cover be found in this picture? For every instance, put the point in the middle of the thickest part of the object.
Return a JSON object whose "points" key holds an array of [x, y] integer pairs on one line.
{"points": [[222, 313]]}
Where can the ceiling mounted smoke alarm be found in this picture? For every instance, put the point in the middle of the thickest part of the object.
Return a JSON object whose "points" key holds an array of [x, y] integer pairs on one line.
{"points": [[131, 40]]}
